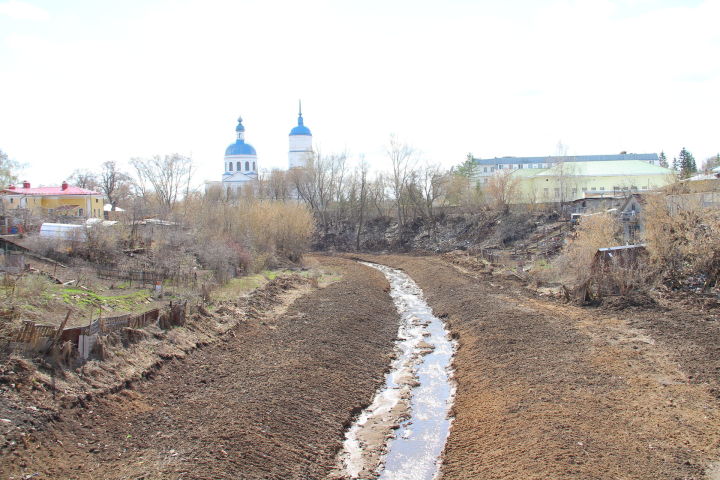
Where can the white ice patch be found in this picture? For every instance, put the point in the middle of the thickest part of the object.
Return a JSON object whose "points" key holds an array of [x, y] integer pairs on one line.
{"points": [[413, 454]]}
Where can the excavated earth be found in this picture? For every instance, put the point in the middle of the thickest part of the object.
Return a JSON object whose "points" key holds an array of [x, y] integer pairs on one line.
{"points": [[551, 391], [270, 401], [545, 390]]}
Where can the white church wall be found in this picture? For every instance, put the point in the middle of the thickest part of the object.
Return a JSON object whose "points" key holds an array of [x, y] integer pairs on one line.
{"points": [[300, 148], [242, 159]]}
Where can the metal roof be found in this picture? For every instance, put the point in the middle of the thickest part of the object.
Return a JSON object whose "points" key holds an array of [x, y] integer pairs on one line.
{"points": [[48, 191], [301, 129], [600, 169], [240, 148], [570, 158]]}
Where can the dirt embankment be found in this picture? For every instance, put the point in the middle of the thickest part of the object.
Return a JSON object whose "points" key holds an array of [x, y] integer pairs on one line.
{"points": [[450, 231], [269, 401], [547, 390]]}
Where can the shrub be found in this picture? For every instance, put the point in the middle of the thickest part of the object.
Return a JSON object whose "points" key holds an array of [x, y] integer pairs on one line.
{"points": [[573, 265], [683, 238]]}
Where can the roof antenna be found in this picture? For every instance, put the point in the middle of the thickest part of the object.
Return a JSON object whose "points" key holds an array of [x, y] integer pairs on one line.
{"points": [[300, 108]]}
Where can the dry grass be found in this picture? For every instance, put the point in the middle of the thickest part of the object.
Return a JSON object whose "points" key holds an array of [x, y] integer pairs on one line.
{"points": [[249, 234], [573, 266], [683, 238]]}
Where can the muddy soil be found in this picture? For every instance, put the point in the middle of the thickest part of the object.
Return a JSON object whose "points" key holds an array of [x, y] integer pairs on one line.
{"points": [[269, 401], [551, 391], [544, 390]]}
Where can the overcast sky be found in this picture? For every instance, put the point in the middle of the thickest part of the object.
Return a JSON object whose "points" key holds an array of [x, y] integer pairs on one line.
{"points": [[86, 81]]}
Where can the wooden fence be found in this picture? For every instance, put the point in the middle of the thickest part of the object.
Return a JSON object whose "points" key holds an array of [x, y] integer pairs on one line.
{"points": [[34, 337]]}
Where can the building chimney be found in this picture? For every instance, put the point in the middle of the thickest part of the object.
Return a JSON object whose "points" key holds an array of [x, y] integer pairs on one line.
{"points": [[26, 184], [64, 185]]}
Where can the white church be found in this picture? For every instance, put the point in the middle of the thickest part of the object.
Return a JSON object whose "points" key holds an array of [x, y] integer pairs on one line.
{"points": [[241, 164]]}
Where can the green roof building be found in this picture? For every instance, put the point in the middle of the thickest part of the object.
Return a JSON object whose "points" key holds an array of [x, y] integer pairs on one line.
{"points": [[568, 181]]}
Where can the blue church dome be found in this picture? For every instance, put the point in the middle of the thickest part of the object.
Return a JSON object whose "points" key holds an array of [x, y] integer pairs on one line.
{"points": [[240, 127], [240, 148], [301, 129]]}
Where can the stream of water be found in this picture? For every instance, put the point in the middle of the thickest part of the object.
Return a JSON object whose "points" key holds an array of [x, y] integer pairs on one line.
{"points": [[402, 434]]}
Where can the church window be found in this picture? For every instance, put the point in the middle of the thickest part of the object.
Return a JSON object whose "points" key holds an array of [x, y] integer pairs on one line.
{"points": [[238, 167], [80, 212], [230, 167], [253, 166], [247, 166]]}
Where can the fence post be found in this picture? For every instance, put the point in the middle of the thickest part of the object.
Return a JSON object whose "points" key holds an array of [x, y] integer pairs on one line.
{"points": [[59, 332]]}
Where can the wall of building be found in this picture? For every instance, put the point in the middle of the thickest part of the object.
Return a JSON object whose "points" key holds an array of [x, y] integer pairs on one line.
{"points": [[300, 148], [251, 161], [91, 205], [547, 188]]}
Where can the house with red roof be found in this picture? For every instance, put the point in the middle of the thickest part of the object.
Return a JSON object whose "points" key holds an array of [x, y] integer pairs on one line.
{"points": [[63, 200]]}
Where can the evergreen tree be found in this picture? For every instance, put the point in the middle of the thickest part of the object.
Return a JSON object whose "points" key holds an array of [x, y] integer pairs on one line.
{"points": [[676, 165], [663, 160], [686, 163], [467, 168]]}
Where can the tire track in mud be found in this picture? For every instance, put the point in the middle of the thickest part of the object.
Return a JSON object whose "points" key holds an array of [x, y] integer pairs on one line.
{"points": [[270, 401]]}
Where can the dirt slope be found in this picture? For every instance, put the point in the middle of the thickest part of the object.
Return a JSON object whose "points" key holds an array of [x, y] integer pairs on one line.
{"points": [[269, 402], [548, 391]]}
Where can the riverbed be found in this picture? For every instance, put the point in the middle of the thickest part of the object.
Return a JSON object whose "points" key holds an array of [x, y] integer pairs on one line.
{"points": [[401, 435]]}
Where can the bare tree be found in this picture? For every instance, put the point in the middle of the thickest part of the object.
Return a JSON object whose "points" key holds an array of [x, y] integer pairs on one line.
{"points": [[428, 184], [362, 173], [502, 189], [84, 178], [402, 162], [277, 186], [168, 176], [378, 197], [114, 184], [320, 183]]}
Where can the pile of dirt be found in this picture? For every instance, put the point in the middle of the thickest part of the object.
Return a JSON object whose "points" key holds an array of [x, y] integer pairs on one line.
{"points": [[638, 300], [270, 400], [268, 295], [468, 263]]}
